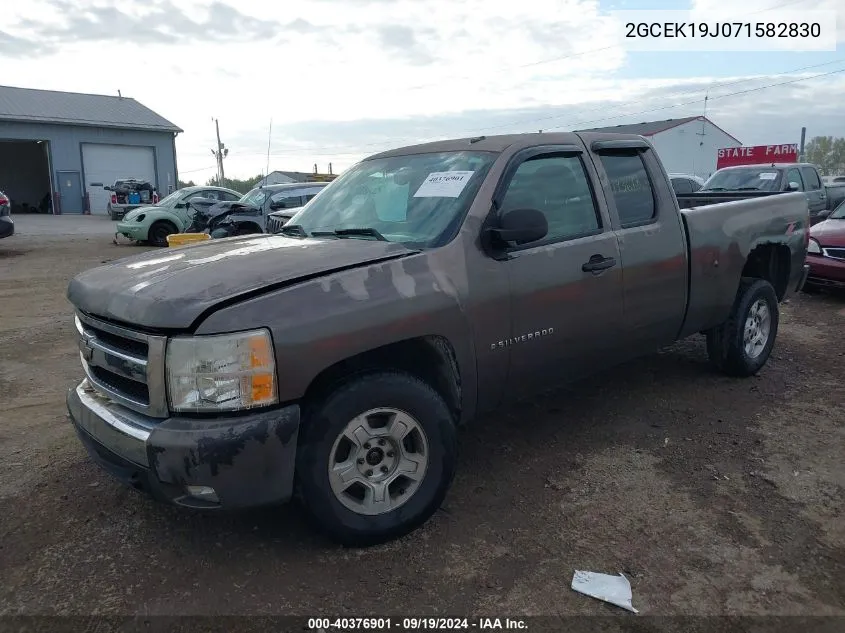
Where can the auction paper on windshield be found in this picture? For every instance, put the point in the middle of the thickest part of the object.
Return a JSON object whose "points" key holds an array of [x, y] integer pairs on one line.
{"points": [[444, 184]]}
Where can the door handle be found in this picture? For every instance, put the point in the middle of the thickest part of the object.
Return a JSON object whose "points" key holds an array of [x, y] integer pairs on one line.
{"points": [[598, 263]]}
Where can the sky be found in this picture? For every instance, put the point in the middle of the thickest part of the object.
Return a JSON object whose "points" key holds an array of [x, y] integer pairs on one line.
{"points": [[342, 79]]}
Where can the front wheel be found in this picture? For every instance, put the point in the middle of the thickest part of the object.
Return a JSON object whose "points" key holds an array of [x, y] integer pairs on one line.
{"points": [[742, 345], [376, 458], [159, 231]]}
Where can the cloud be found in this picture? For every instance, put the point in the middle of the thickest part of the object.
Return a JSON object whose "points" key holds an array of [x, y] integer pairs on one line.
{"points": [[402, 40], [17, 47], [345, 78], [158, 22], [773, 115]]}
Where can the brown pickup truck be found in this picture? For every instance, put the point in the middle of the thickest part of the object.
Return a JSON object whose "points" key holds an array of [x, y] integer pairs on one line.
{"points": [[425, 286]]}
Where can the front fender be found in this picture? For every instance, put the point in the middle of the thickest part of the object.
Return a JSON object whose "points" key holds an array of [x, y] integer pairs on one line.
{"points": [[319, 322], [169, 216]]}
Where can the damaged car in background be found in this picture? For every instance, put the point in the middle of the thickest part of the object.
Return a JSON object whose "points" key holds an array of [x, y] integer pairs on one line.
{"points": [[173, 214], [334, 362], [262, 210]]}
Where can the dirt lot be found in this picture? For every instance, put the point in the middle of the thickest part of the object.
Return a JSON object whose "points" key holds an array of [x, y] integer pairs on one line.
{"points": [[713, 495]]}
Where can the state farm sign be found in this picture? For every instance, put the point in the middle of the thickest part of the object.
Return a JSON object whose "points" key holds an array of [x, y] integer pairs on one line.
{"points": [[757, 154]]}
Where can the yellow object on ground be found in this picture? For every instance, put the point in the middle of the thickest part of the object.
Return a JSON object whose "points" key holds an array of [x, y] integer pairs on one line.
{"points": [[180, 239]]}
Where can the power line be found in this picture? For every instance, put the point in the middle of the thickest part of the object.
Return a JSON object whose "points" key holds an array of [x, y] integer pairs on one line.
{"points": [[192, 171], [694, 101], [331, 149]]}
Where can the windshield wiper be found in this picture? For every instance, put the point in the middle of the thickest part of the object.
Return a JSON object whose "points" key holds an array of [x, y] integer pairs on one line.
{"points": [[713, 189], [748, 189], [294, 228], [367, 231]]}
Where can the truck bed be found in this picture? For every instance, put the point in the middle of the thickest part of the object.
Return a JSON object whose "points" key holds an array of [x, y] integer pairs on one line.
{"points": [[690, 200], [720, 237]]}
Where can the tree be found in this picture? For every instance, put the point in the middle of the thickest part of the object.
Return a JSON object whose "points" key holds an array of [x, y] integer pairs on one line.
{"points": [[182, 184], [241, 186], [827, 153]]}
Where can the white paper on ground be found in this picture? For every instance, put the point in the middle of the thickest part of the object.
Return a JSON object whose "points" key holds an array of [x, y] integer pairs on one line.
{"points": [[613, 589], [444, 184]]}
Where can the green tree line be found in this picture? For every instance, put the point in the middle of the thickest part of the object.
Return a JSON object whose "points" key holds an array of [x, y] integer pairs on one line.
{"points": [[827, 153], [239, 185]]}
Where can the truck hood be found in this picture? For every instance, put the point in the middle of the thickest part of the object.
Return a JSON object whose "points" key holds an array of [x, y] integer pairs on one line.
{"points": [[171, 289], [829, 232]]}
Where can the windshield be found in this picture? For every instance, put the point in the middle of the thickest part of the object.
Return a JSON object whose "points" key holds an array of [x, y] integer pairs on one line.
{"points": [[171, 199], [839, 212], [256, 197], [418, 199], [751, 178]]}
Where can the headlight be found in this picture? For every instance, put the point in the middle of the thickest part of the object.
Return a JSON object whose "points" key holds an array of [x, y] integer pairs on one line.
{"points": [[813, 247], [225, 372]]}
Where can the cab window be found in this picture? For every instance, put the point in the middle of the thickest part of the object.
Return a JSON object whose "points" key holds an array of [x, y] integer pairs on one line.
{"points": [[558, 187]]}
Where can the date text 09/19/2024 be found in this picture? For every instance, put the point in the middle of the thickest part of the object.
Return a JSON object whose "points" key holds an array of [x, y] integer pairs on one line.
{"points": [[320, 625]]}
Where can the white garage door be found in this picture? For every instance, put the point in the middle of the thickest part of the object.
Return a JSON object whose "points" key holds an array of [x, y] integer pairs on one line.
{"points": [[103, 164]]}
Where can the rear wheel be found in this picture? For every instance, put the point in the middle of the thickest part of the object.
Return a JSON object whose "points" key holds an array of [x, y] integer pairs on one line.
{"points": [[742, 345], [159, 231], [376, 458]]}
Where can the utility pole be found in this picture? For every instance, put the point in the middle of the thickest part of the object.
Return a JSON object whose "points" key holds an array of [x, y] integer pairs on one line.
{"points": [[219, 154], [801, 149]]}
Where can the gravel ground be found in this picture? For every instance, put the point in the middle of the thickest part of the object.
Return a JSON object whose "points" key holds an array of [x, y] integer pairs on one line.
{"points": [[713, 495]]}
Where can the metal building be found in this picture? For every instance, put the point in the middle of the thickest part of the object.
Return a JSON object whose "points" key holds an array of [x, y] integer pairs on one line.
{"points": [[689, 145], [59, 149]]}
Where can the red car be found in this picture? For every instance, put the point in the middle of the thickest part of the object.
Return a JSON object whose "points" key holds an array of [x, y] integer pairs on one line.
{"points": [[826, 252]]}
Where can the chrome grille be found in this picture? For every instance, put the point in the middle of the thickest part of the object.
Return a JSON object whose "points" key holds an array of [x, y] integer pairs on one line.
{"points": [[124, 365], [835, 253]]}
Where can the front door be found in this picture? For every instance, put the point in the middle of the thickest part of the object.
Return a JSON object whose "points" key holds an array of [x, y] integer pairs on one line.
{"points": [[816, 194], [566, 288], [70, 191]]}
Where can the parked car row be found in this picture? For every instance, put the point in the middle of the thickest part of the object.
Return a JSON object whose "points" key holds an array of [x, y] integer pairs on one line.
{"points": [[262, 210], [218, 211], [222, 212]]}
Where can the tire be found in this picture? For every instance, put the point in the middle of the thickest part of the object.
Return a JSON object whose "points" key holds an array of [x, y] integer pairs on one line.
{"points": [[726, 344], [345, 516], [157, 235]]}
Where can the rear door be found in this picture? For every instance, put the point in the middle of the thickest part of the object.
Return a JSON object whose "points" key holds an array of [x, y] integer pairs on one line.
{"points": [[816, 194], [652, 243], [566, 288]]}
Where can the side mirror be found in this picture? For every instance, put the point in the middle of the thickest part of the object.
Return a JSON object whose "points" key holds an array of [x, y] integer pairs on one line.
{"points": [[793, 186], [275, 206], [521, 226]]}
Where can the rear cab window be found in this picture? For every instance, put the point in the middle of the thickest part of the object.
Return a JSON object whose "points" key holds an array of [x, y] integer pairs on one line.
{"points": [[631, 186]]}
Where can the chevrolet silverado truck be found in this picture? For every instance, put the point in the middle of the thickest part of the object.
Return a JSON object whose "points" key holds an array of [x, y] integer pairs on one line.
{"points": [[333, 363]]}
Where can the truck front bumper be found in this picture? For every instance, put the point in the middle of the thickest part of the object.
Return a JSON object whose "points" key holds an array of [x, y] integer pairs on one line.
{"points": [[223, 462]]}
